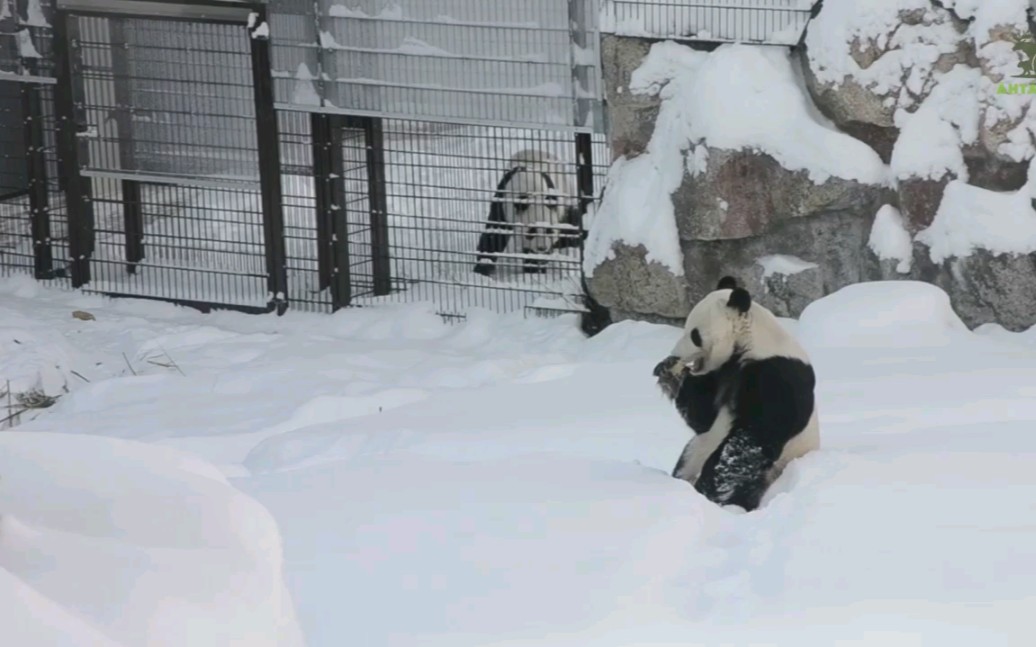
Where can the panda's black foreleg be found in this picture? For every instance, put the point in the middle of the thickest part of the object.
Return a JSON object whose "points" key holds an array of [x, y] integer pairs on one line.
{"points": [[492, 241], [737, 472], [568, 238], [534, 266]]}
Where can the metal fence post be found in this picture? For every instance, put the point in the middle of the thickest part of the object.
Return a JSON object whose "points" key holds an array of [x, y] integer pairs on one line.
{"points": [[70, 124], [374, 141], [332, 224], [132, 207], [269, 166], [39, 202]]}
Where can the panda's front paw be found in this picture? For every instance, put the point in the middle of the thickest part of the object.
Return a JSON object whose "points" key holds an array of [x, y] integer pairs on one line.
{"points": [[670, 374]]}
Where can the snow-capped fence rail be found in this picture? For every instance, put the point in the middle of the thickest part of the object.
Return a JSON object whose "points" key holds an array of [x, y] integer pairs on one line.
{"points": [[260, 155], [760, 22]]}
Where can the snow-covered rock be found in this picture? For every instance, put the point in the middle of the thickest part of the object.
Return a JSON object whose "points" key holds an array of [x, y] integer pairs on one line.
{"points": [[731, 172]]}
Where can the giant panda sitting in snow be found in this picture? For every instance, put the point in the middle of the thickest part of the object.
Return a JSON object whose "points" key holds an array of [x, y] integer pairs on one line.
{"points": [[745, 387], [532, 199]]}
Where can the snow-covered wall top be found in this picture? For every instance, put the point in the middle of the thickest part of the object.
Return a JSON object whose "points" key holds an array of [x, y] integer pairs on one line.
{"points": [[776, 22], [532, 62]]}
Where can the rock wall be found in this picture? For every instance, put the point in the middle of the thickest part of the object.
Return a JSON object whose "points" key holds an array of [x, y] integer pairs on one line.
{"points": [[793, 237]]}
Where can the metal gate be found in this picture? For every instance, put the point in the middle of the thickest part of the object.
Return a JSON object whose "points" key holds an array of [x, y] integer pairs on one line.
{"points": [[428, 102], [168, 138]]}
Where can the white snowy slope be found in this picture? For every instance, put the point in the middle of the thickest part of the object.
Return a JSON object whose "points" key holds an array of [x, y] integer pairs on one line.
{"points": [[106, 542], [505, 482]]}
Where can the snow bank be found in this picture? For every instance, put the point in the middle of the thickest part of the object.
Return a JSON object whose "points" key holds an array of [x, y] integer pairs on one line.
{"points": [[428, 480], [145, 544], [765, 110], [971, 218], [890, 240], [881, 314]]}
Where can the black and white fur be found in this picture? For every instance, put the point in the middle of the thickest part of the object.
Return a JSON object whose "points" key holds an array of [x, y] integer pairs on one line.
{"points": [[532, 199], [745, 387]]}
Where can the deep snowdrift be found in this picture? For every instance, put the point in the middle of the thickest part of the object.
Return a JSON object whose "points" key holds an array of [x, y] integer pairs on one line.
{"points": [[505, 482], [139, 544]]}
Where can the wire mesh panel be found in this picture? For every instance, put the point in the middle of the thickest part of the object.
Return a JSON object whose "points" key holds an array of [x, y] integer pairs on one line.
{"points": [[32, 222], [170, 155], [430, 231], [527, 63], [771, 22]]}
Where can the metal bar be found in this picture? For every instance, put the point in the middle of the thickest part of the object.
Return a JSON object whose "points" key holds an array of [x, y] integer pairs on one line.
{"points": [[459, 121], [202, 306], [209, 11], [332, 223], [577, 20], [133, 224], [174, 179], [269, 170], [320, 131], [39, 201], [373, 132], [80, 211], [132, 207], [27, 78]]}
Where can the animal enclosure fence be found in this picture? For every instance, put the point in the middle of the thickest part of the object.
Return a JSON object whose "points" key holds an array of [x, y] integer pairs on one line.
{"points": [[317, 155]]}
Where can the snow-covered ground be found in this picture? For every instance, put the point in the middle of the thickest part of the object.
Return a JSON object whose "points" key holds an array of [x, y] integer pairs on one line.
{"points": [[502, 481]]}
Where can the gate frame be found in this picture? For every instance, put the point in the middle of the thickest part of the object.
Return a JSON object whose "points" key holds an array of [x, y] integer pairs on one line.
{"points": [[250, 15]]}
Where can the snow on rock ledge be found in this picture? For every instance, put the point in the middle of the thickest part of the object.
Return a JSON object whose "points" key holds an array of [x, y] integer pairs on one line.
{"points": [[144, 544]]}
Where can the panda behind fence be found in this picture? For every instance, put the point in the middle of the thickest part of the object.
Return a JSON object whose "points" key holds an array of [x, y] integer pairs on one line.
{"points": [[534, 208]]}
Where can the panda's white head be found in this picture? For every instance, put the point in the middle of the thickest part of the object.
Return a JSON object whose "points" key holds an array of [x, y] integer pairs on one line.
{"points": [[727, 322], [531, 199], [715, 330]]}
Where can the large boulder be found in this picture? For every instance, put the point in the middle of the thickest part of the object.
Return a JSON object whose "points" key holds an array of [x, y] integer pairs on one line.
{"points": [[745, 193], [988, 287], [775, 197], [789, 264], [632, 286]]}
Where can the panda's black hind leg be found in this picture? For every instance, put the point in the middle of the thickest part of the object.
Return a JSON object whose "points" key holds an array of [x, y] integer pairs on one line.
{"points": [[737, 472]]}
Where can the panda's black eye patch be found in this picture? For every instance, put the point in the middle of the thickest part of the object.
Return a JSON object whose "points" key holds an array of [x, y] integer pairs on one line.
{"points": [[696, 338]]}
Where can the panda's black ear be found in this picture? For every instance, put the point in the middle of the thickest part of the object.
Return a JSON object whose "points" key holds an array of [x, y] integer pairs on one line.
{"points": [[740, 300], [727, 283]]}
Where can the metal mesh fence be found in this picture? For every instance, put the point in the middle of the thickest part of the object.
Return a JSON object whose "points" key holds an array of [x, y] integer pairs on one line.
{"points": [[440, 182], [169, 190], [770, 22], [528, 63]]}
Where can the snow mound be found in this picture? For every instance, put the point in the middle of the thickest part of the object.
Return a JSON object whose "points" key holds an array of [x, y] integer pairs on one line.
{"points": [[35, 357], [147, 545], [890, 240], [767, 110], [881, 314], [971, 218]]}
